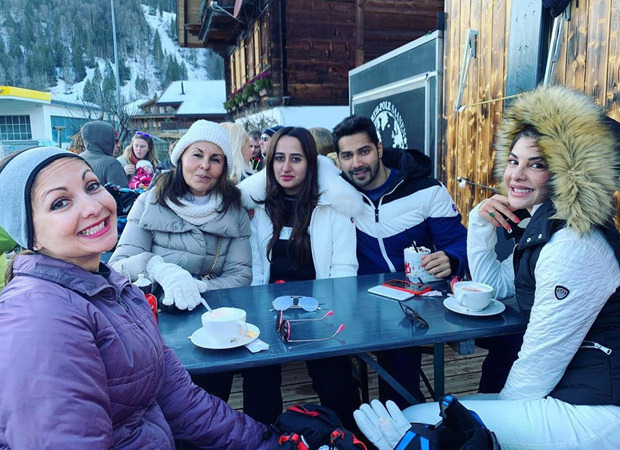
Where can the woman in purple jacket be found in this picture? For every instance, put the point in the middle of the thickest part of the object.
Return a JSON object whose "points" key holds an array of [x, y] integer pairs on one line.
{"points": [[83, 364]]}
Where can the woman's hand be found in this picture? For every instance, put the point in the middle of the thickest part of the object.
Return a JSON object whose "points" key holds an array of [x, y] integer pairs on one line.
{"points": [[383, 427], [496, 210], [130, 169], [180, 288]]}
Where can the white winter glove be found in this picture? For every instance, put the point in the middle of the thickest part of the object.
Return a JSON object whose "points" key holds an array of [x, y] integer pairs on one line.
{"points": [[384, 429], [180, 288]]}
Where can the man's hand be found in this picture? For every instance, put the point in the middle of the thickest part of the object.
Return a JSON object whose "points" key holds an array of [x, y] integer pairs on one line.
{"points": [[437, 264]]}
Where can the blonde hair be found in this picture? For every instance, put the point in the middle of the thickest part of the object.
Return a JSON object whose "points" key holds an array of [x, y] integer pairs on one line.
{"points": [[77, 143], [151, 155], [323, 139], [239, 138]]}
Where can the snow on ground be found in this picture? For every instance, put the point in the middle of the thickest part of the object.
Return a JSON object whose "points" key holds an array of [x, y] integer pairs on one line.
{"points": [[142, 66]]}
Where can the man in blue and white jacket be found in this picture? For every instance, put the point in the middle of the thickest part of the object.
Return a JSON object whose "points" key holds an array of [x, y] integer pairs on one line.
{"points": [[403, 204]]}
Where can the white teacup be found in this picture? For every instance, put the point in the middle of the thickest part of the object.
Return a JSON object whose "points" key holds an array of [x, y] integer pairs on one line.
{"points": [[472, 295], [225, 324]]}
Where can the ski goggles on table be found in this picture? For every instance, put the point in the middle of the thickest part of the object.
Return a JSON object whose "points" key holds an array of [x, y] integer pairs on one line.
{"points": [[295, 301], [283, 326]]}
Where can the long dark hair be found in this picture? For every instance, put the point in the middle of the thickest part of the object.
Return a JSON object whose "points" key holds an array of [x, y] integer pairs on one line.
{"points": [[172, 186], [306, 199]]}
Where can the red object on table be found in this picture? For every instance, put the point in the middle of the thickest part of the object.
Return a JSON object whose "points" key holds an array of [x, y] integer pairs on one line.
{"points": [[152, 300]]}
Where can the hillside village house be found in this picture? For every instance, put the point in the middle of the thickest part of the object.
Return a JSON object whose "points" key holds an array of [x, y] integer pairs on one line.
{"points": [[180, 105], [287, 61], [29, 115]]}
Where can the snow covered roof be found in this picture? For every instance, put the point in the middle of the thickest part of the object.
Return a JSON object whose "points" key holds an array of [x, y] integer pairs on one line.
{"points": [[199, 98], [133, 108]]}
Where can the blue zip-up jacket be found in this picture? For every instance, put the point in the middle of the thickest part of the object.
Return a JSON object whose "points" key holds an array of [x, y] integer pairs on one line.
{"points": [[417, 208]]}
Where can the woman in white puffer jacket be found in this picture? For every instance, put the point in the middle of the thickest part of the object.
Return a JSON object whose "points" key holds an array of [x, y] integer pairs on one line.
{"points": [[303, 229]]}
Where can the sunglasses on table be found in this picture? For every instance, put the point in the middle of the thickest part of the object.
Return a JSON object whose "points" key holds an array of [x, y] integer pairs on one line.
{"points": [[285, 302], [283, 326], [413, 316], [144, 135]]}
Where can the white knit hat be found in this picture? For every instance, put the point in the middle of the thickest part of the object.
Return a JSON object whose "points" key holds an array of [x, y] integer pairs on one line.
{"points": [[203, 130], [144, 163]]}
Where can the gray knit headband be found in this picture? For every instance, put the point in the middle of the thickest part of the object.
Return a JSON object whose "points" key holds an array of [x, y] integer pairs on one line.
{"points": [[16, 178]]}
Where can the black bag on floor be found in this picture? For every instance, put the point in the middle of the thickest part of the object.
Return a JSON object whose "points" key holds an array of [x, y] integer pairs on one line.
{"points": [[308, 427], [460, 428]]}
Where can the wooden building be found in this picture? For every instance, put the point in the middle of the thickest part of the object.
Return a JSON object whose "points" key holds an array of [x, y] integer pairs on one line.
{"points": [[178, 107], [512, 46], [283, 54]]}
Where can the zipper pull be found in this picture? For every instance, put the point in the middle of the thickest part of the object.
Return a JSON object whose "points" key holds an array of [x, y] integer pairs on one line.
{"points": [[602, 348], [376, 214]]}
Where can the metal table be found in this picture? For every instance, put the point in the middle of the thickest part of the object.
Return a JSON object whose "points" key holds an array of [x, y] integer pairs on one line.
{"points": [[372, 323]]}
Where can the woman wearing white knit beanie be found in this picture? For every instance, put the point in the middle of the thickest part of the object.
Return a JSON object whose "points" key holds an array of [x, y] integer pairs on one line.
{"points": [[189, 233]]}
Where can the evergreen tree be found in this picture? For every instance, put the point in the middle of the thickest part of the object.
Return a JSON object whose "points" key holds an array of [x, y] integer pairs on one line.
{"points": [[90, 92], [97, 78], [60, 53], [15, 49], [90, 56], [172, 32], [142, 86], [214, 65], [124, 72], [158, 53], [108, 88], [183, 75], [77, 61], [26, 28]]}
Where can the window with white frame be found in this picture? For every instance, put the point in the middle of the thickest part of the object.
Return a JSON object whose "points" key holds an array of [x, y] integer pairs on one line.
{"points": [[15, 128]]}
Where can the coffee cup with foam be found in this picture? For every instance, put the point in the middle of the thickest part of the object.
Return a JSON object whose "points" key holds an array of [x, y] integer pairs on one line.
{"points": [[225, 325], [472, 295]]}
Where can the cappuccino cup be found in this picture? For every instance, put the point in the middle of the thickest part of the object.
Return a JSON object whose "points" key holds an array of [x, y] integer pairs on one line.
{"points": [[225, 325], [472, 295]]}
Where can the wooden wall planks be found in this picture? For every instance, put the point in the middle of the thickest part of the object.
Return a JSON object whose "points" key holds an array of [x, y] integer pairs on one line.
{"points": [[323, 41], [589, 61]]}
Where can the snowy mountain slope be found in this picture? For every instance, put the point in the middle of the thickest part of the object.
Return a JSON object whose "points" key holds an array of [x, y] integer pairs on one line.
{"points": [[144, 65]]}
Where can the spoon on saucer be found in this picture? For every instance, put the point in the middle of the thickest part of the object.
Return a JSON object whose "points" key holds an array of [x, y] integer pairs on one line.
{"points": [[205, 304]]}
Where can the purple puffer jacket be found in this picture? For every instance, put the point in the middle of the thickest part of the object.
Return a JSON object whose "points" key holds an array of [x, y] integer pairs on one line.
{"points": [[83, 366]]}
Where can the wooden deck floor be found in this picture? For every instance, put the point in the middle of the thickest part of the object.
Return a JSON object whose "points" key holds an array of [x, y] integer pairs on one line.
{"points": [[462, 374]]}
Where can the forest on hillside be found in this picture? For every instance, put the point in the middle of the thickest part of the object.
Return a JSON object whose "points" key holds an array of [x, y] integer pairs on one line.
{"points": [[44, 41]]}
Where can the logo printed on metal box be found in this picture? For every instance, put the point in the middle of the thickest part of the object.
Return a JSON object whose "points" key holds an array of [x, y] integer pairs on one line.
{"points": [[390, 125]]}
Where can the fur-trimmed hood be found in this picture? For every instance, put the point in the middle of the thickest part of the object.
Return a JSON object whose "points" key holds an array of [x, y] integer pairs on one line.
{"points": [[578, 146], [333, 190]]}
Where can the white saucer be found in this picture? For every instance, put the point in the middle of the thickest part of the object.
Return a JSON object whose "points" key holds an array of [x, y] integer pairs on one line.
{"points": [[495, 307], [200, 338]]}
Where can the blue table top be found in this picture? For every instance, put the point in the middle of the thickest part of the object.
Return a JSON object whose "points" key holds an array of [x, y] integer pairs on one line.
{"points": [[372, 323]]}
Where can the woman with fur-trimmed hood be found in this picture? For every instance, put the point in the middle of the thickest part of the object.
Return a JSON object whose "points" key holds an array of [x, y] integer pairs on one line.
{"points": [[555, 153], [302, 229]]}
